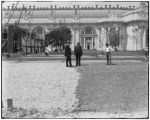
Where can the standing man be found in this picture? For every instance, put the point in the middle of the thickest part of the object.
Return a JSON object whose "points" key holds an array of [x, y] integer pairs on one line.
{"points": [[78, 54], [68, 54], [108, 54]]}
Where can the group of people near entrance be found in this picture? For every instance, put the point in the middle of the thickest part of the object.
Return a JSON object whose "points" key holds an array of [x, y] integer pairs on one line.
{"points": [[78, 54]]}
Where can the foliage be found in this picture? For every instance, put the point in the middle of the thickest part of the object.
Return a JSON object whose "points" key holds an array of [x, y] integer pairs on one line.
{"points": [[17, 31], [114, 39], [59, 36]]}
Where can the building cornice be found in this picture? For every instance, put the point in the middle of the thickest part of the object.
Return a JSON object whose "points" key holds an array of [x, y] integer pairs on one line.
{"points": [[71, 8]]}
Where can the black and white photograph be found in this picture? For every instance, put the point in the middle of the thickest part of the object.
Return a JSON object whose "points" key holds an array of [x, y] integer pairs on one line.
{"points": [[74, 59]]}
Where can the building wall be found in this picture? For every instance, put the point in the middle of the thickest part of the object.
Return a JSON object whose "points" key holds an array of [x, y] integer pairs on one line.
{"points": [[129, 39]]}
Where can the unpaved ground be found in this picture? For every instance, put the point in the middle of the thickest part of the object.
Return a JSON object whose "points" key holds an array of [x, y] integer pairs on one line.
{"points": [[47, 89], [117, 89], [40, 85]]}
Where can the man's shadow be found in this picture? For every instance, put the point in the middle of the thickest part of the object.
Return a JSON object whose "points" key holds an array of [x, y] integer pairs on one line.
{"points": [[80, 65], [113, 64]]}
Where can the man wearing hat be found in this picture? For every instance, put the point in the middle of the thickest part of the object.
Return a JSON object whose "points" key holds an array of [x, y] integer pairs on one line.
{"points": [[68, 54], [78, 54]]}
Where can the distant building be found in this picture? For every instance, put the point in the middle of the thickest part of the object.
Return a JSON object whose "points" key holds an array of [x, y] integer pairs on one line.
{"points": [[92, 26]]}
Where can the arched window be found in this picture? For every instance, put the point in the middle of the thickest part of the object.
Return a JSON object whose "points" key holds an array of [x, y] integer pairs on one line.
{"points": [[88, 30], [39, 32]]}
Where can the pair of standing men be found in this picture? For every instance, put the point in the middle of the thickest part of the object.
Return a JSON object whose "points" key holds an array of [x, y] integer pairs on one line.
{"points": [[77, 52]]}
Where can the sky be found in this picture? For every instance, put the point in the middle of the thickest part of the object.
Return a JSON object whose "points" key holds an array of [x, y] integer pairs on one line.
{"points": [[70, 3]]}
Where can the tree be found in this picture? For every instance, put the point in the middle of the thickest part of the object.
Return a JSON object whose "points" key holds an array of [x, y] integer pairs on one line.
{"points": [[136, 35], [58, 37]]}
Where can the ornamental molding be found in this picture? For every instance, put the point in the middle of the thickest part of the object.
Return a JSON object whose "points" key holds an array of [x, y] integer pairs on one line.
{"points": [[27, 15], [51, 15], [76, 15]]}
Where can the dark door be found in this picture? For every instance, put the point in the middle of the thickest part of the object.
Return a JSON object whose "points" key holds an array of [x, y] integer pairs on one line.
{"points": [[88, 46]]}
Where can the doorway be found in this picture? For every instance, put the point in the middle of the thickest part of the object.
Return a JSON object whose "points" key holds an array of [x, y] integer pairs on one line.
{"points": [[88, 43], [88, 46]]}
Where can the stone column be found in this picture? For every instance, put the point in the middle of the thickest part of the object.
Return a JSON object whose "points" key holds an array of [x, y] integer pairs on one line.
{"points": [[84, 42], [123, 38], [108, 34], [95, 42], [72, 39], [43, 35], [77, 34], [144, 39], [103, 37], [92, 43], [98, 46], [119, 38]]}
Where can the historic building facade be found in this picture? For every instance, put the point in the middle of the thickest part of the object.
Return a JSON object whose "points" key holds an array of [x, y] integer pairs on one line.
{"points": [[92, 26]]}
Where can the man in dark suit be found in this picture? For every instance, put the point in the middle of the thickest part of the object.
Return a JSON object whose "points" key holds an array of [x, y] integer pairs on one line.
{"points": [[68, 54], [78, 54]]}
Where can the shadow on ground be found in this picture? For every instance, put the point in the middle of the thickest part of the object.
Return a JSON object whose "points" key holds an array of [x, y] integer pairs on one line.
{"points": [[117, 88]]}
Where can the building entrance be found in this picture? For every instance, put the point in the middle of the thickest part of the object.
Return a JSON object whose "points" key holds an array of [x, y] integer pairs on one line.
{"points": [[88, 46], [88, 38], [88, 43]]}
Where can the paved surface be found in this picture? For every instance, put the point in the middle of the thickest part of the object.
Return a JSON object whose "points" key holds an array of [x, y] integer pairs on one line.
{"points": [[93, 90]]}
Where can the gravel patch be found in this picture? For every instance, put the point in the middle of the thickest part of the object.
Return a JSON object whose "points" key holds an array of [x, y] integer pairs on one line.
{"points": [[42, 86]]}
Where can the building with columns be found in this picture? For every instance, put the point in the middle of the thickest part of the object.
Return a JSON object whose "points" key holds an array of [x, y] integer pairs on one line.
{"points": [[92, 26]]}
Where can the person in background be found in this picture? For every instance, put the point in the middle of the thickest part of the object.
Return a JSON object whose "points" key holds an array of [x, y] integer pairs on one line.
{"points": [[68, 54], [78, 54], [108, 54]]}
